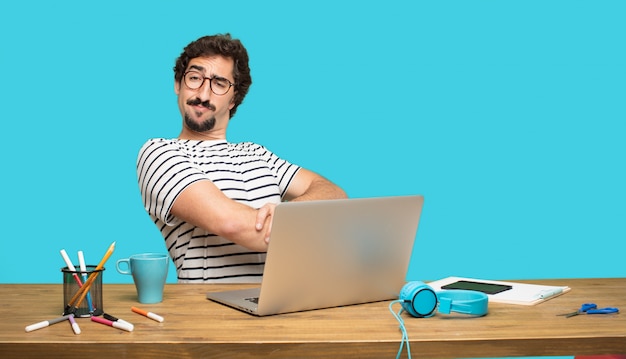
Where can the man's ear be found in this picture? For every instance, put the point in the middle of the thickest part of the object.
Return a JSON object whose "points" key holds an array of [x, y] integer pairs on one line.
{"points": [[176, 87]]}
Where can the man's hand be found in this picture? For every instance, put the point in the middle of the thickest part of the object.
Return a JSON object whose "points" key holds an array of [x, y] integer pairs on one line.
{"points": [[264, 218]]}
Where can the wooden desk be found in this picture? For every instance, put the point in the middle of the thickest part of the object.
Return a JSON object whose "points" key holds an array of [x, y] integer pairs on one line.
{"points": [[195, 327]]}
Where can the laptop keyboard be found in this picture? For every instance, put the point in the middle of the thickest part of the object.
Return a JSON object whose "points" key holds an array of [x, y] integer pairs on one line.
{"points": [[254, 300]]}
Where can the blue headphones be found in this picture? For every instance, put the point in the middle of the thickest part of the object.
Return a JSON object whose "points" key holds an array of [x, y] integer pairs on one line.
{"points": [[421, 301]]}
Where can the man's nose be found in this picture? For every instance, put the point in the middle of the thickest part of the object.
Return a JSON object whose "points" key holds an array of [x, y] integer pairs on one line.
{"points": [[204, 92]]}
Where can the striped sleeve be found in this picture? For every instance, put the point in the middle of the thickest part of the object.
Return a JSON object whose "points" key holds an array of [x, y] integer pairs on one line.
{"points": [[282, 170], [163, 172]]}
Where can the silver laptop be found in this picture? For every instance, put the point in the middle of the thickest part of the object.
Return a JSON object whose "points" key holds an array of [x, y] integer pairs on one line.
{"points": [[333, 253]]}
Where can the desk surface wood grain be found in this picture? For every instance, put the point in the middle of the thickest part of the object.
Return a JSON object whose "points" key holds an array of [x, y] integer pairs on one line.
{"points": [[195, 327]]}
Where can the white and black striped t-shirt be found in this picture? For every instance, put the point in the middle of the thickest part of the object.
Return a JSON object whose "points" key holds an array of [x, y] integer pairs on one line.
{"points": [[245, 172]]}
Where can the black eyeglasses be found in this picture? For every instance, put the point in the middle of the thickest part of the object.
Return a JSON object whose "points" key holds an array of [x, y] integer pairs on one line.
{"points": [[219, 85]]}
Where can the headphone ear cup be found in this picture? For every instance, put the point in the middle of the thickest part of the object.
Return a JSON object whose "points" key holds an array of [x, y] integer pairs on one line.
{"points": [[418, 299]]}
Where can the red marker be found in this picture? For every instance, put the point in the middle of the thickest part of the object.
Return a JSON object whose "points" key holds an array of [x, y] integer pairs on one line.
{"points": [[114, 319], [118, 325]]}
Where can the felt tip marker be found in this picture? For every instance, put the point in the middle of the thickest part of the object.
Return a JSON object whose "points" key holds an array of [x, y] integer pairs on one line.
{"points": [[75, 326], [114, 319], [118, 325], [71, 267], [150, 315], [83, 269], [547, 293], [46, 323]]}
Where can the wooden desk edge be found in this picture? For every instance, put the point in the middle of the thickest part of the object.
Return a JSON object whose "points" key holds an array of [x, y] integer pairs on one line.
{"points": [[443, 349], [448, 348]]}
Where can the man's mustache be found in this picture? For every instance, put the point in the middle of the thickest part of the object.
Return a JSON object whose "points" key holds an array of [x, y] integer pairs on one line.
{"points": [[196, 101]]}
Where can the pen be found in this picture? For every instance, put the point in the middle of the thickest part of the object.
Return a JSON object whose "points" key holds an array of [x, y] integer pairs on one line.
{"points": [[547, 293], [150, 315], [114, 319], [118, 325], [46, 323], [83, 268], [80, 294], [71, 267], [75, 326]]}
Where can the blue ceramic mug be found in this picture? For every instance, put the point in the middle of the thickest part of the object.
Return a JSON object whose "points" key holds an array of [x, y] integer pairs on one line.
{"points": [[149, 271]]}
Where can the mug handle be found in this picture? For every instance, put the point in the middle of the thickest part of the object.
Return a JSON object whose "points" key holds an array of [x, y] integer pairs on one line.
{"points": [[120, 270]]}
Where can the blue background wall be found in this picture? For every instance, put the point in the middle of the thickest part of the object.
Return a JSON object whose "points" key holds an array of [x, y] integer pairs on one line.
{"points": [[509, 116]]}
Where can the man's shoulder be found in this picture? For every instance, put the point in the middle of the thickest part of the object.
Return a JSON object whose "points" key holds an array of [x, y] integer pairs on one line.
{"points": [[158, 141], [248, 146], [204, 148], [183, 144]]}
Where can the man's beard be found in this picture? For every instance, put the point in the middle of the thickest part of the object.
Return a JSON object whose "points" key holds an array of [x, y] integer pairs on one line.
{"points": [[203, 126]]}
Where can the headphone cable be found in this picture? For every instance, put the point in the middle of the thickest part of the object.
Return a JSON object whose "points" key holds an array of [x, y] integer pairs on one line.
{"points": [[405, 336]]}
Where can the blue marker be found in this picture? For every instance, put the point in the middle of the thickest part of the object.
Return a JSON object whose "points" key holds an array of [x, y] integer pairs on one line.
{"points": [[83, 268]]}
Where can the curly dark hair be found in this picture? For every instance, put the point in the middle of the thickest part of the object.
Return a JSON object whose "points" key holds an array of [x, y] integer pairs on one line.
{"points": [[223, 45]]}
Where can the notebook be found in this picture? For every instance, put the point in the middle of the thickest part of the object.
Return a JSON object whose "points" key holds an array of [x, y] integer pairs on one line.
{"points": [[517, 293], [333, 253]]}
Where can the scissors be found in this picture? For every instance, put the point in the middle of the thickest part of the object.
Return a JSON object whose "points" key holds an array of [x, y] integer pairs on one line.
{"points": [[591, 308]]}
